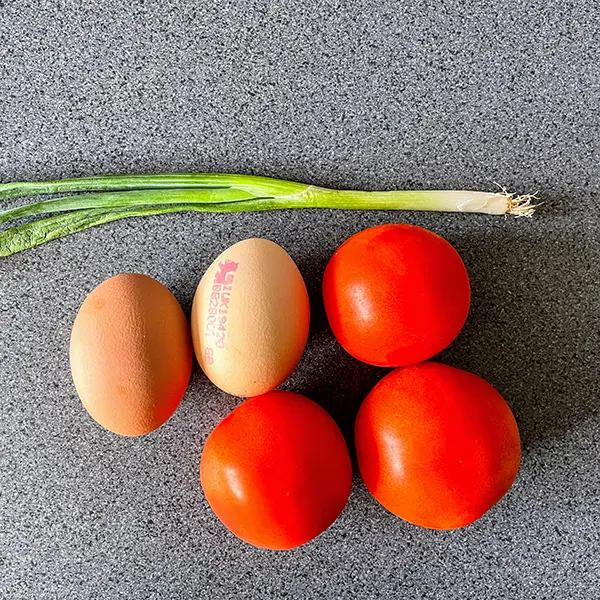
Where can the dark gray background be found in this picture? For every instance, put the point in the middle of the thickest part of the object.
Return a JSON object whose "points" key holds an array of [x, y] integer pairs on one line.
{"points": [[366, 94]]}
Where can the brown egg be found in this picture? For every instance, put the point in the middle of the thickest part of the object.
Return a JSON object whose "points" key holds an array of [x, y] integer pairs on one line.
{"points": [[131, 354], [250, 318]]}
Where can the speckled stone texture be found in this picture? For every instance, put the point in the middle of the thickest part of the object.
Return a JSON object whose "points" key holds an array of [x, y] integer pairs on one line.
{"points": [[361, 93]]}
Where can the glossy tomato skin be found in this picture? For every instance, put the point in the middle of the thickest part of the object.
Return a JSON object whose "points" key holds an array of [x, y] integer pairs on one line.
{"points": [[436, 446], [277, 471], [396, 295]]}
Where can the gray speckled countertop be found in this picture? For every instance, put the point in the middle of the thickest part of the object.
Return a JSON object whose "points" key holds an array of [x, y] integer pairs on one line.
{"points": [[366, 93]]}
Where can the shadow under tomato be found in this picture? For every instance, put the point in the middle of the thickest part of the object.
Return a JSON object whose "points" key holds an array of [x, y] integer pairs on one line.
{"points": [[534, 327], [326, 373]]}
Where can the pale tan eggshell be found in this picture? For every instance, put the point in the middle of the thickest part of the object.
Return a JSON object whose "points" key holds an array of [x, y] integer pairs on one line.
{"points": [[250, 318]]}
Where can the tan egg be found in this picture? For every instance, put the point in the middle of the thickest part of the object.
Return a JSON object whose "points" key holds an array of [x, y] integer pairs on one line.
{"points": [[131, 354], [250, 318]]}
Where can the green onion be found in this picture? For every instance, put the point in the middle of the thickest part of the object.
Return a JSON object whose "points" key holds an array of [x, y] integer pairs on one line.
{"points": [[120, 197]]}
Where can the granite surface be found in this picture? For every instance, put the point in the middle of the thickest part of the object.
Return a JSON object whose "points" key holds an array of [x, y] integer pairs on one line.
{"points": [[362, 93]]}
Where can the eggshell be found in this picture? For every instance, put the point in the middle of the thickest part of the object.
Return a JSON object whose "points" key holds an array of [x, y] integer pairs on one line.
{"points": [[250, 318], [131, 354]]}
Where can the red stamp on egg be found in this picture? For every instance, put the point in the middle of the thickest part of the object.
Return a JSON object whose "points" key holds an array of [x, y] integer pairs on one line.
{"points": [[218, 307]]}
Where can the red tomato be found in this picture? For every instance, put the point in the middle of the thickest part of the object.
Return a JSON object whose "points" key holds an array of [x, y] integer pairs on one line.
{"points": [[396, 295], [437, 446], [277, 471]]}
